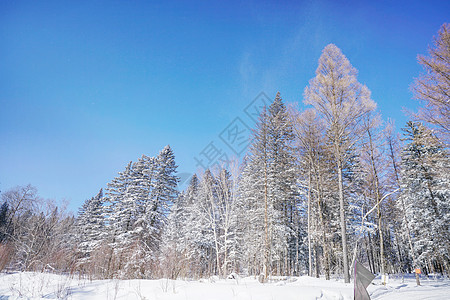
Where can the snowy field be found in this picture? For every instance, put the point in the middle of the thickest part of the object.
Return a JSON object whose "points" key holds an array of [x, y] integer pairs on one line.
{"points": [[51, 286]]}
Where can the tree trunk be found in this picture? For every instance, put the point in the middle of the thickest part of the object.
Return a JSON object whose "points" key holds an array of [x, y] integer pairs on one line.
{"points": [[343, 225], [309, 224], [266, 226], [378, 203], [326, 252], [316, 255]]}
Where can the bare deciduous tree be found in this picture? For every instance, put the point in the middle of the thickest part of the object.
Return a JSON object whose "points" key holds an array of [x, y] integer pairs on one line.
{"points": [[341, 101], [433, 86]]}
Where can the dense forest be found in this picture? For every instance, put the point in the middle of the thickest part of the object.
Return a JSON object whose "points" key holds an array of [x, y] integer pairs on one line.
{"points": [[317, 190]]}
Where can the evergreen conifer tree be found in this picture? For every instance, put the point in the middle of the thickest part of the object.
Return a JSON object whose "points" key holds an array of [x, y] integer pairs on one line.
{"points": [[90, 225], [425, 192]]}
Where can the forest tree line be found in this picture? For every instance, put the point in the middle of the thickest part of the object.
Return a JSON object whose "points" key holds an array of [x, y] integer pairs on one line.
{"points": [[316, 190]]}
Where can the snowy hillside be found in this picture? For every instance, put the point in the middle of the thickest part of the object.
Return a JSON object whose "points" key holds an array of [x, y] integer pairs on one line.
{"points": [[50, 286]]}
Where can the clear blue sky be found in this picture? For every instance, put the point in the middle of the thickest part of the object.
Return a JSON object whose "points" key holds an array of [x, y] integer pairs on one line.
{"points": [[86, 86]]}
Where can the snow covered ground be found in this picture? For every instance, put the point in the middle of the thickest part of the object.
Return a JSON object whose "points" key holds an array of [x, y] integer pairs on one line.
{"points": [[51, 286]]}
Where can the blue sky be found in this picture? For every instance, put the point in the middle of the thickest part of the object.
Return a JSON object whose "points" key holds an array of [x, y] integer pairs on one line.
{"points": [[86, 86]]}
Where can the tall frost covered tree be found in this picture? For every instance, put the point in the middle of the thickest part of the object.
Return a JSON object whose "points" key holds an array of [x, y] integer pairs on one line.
{"points": [[122, 205], [140, 189], [432, 88], [140, 200], [283, 184], [425, 193], [215, 210], [341, 101], [315, 178], [164, 192], [209, 218], [128, 194], [404, 242], [377, 190], [90, 225], [138, 243], [227, 207], [197, 243], [251, 214], [120, 210], [202, 227], [269, 188]]}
